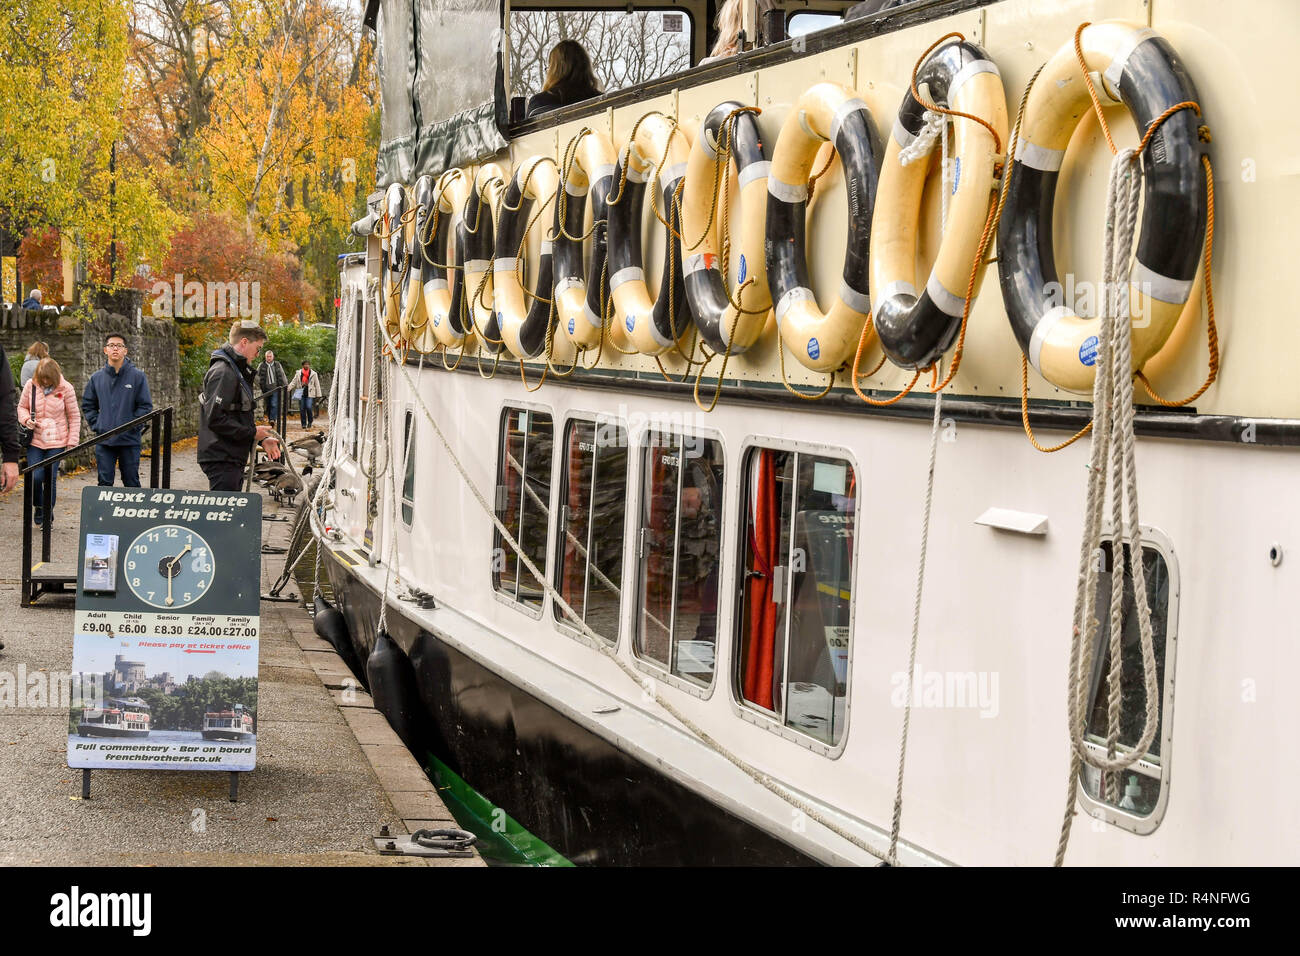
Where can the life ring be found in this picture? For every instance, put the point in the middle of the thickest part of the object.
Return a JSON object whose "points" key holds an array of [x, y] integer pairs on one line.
{"points": [[391, 248], [706, 283], [523, 327], [414, 319], [917, 328], [443, 295], [651, 327], [578, 305], [476, 270], [827, 112], [1139, 68]]}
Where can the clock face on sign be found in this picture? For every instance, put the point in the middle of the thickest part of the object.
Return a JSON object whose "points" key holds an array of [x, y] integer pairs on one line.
{"points": [[169, 566]]}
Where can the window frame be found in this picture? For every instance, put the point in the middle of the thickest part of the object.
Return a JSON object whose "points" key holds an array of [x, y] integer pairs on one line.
{"points": [[752, 713], [1156, 539], [509, 601], [561, 622], [408, 467], [697, 52], [640, 444]]}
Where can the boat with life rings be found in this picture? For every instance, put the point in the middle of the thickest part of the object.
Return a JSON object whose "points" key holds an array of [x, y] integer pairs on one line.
{"points": [[682, 579]]}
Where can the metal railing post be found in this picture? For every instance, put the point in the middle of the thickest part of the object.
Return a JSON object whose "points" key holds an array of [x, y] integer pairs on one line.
{"points": [[47, 508], [27, 541], [167, 448], [155, 436]]}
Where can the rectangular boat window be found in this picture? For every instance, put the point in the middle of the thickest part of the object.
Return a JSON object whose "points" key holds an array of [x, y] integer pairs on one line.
{"points": [[797, 593], [354, 393], [523, 502], [625, 46], [680, 547], [1135, 790], [408, 483], [589, 569]]}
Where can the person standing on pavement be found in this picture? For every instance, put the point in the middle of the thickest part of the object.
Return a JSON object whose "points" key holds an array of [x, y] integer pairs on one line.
{"points": [[10, 449], [227, 431], [270, 376], [33, 300], [35, 352], [309, 383], [49, 408], [116, 394]]}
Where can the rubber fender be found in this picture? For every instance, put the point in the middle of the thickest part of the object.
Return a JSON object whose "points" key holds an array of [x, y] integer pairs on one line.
{"points": [[395, 692], [330, 625]]}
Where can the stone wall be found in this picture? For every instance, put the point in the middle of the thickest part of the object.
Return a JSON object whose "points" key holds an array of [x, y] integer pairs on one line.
{"points": [[76, 342]]}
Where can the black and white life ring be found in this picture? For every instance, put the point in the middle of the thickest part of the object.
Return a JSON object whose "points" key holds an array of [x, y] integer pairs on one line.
{"points": [[587, 181], [651, 327], [706, 284], [479, 219], [1138, 67], [523, 326], [916, 327], [441, 302], [827, 112]]}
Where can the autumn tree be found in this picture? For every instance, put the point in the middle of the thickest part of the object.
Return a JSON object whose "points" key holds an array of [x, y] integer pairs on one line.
{"points": [[62, 76]]}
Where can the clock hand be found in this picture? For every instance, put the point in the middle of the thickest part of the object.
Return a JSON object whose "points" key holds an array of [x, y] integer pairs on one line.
{"points": [[172, 564], [170, 602]]}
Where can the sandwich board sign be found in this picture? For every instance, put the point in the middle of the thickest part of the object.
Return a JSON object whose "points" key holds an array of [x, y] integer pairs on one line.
{"points": [[166, 632]]}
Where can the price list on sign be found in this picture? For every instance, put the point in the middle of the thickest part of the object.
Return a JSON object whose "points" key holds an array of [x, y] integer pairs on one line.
{"points": [[166, 630]]}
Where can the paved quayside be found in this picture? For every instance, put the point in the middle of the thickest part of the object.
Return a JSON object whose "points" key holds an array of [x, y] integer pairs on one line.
{"points": [[330, 772]]}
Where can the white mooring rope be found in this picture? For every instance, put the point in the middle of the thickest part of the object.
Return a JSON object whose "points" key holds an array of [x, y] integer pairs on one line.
{"points": [[1112, 444]]}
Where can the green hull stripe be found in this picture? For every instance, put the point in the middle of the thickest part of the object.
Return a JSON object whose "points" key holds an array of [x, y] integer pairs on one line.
{"points": [[501, 839]]}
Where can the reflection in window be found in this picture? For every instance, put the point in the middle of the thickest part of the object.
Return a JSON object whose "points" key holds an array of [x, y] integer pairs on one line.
{"points": [[680, 546], [593, 499], [797, 593], [408, 483], [625, 48], [1136, 789], [806, 21], [523, 502]]}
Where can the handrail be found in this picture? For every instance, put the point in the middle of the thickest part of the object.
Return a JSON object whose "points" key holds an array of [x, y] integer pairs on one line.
{"points": [[160, 476], [134, 423]]}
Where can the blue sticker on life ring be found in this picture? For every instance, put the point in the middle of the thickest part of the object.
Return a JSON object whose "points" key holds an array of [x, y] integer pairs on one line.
{"points": [[631, 322], [814, 350], [956, 173], [1088, 351], [437, 321], [572, 326], [740, 276]]}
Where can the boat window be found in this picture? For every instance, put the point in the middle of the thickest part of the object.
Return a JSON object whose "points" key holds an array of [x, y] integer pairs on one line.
{"points": [[810, 21], [589, 569], [680, 545], [354, 393], [1136, 790], [626, 48], [408, 483], [796, 599], [523, 502]]}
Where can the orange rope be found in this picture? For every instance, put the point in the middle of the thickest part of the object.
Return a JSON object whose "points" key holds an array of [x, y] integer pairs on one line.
{"points": [[857, 359], [934, 108], [1024, 413]]}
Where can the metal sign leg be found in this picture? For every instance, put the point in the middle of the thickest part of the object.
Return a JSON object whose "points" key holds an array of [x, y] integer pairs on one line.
{"points": [[234, 787], [85, 784]]}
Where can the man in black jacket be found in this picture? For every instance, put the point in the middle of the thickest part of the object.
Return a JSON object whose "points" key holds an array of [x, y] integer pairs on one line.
{"points": [[227, 430], [8, 428]]}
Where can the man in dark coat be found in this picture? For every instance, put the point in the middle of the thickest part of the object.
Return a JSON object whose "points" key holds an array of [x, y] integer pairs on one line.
{"points": [[227, 431], [270, 376], [116, 394], [12, 451]]}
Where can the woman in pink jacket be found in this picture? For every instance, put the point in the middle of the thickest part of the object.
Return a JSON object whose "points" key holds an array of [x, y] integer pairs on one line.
{"points": [[49, 408]]}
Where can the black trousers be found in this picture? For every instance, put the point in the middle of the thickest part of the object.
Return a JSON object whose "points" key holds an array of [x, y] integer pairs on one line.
{"points": [[223, 475]]}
